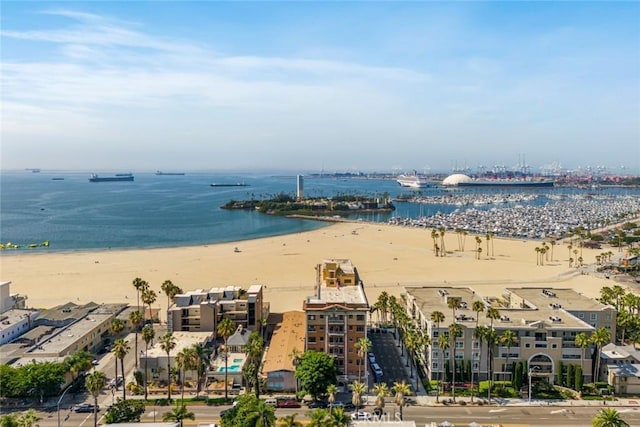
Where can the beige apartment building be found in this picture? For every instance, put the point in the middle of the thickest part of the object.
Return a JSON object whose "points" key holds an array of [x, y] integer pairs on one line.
{"points": [[336, 316], [201, 311], [546, 321]]}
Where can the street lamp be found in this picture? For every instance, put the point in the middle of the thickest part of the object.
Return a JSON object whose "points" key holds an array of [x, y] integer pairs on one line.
{"points": [[531, 369], [60, 400]]}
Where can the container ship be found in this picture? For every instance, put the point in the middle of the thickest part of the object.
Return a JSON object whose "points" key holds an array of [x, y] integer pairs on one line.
{"points": [[120, 177], [169, 173]]}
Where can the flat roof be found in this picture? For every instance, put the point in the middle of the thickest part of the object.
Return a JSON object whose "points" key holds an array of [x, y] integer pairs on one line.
{"points": [[430, 299], [183, 340], [352, 294], [625, 370], [289, 334], [15, 315], [568, 298]]}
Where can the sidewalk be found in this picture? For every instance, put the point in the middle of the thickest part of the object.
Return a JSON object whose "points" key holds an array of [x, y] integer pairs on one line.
{"points": [[431, 401]]}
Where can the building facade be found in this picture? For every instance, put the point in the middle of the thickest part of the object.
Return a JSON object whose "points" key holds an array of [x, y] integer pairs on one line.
{"points": [[288, 338], [201, 311], [336, 317], [546, 322]]}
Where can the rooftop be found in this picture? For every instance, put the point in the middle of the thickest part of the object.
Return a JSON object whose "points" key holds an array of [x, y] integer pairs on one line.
{"points": [[288, 334], [569, 299], [9, 318], [183, 340], [352, 295], [618, 352], [430, 299], [625, 370]]}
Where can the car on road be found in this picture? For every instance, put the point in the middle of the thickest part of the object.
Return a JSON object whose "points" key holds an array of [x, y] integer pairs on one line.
{"points": [[116, 383], [288, 403], [84, 407], [361, 415], [317, 404], [95, 362]]}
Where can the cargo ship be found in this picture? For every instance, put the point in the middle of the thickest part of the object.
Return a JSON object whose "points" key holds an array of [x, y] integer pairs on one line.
{"points": [[120, 177], [169, 173]]}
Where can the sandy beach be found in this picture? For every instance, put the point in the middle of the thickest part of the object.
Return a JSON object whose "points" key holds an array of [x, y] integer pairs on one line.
{"points": [[387, 257]]}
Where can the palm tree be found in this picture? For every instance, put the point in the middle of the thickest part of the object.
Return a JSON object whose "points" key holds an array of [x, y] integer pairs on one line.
{"points": [[455, 331], [338, 418], [289, 421], [147, 336], [401, 389], [491, 338], [120, 349], [225, 329], [332, 390], [295, 360], [608, 417], [170, 290], [582, 341], [78, 362], [117, 326], [149, 296], [509, 338], [477, 306], [140, 285], [94, 383], [383, 302], [318, 418], [254, 349], [202, 356], [263, 326], [262, 416], [135, 317], [362, 346], [381, 391], [454, 304], [178, 414], [357, 390], [479, 333], [600, 337], [168, 343], [28, 418], [443, 345], [186, 360]]}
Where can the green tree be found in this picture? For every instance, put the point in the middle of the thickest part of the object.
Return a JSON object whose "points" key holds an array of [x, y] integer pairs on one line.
{"points": [[79, 362], [148, 296], [578, 381], [608, 417], [202, 355], [179, 414], [148, 334], [254, 350], [135, 317], [141, 286], [358, 389], [120, 350], [582, 341], [338, 418], [455, 331], [571, 375], [117, 326], [170, 290], [362, 346], [316, 371], [94, 383], [167, 344], [125, 411], [443, 345], [262, 416], [186, 361], [289, 421], [509, 338], [9, 420], [401, 389], [225, 329], [318, 418], [332, 391], [27, 418], [381, 391], [600, 337]]}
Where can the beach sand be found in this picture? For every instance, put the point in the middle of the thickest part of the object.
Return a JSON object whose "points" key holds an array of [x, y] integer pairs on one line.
{"points": [[387, 258]]}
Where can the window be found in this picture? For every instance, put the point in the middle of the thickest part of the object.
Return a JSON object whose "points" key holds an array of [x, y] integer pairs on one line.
{"points": [[311, 317], [311, 328], [476, 355], [475, 366], [581, 315], [360, 328], [360, 317], [435, 354], [435, 334], [527, 345], [554, 345], [594, 317], [476, 344], [607, 316], [459, 344]]}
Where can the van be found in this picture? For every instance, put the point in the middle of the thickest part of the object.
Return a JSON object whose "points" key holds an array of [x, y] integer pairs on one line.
{"points": [[271, 401]]}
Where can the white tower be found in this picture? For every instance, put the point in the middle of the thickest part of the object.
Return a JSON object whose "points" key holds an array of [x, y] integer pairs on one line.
{"points": [[300, 187]]}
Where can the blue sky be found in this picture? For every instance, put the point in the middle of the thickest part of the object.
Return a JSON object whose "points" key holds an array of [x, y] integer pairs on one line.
{"points": [[300, 86]]}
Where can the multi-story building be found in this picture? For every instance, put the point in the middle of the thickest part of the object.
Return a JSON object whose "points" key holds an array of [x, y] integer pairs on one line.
{"points": [[287, 339], [201, 311], [336, 316], [546, 322]]}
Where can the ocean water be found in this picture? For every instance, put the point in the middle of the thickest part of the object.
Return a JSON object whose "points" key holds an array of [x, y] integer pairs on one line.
{"points": [[168, 211]]}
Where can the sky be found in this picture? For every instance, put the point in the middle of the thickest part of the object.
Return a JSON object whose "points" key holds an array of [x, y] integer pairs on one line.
{"points": [[310, 86]]}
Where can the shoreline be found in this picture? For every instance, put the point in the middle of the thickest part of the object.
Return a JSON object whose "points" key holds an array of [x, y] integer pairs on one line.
{"points": [[387, 257]]}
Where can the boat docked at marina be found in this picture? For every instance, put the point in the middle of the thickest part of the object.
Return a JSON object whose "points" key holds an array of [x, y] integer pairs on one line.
{"points": [[119, 177], [412, 181]]}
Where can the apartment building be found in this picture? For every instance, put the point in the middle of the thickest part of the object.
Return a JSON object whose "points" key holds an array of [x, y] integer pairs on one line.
{"points": [[288, 337], [201, 311], [545, 320], [336, 316]]}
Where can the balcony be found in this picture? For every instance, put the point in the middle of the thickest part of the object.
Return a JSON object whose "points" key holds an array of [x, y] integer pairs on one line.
{"points": [[540, 344], [335, 321]]}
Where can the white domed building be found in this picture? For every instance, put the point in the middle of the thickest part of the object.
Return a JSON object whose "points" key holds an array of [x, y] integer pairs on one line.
{"points": [[455, 179]]}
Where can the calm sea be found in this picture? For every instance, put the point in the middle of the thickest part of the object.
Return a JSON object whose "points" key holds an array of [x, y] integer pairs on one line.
{"points": [[164, 211]]}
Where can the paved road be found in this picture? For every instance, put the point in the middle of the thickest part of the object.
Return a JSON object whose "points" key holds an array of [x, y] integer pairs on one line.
{"points": [[388, 357], [461, 416]]}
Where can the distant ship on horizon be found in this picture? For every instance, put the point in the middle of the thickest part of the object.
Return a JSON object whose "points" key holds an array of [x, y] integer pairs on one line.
{"points": [[169, 173], [119, 177], [412, 181]]}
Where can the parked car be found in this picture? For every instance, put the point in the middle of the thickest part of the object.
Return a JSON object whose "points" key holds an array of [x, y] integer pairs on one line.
{"points": [[361, 415], [348, 406], [271, 401], [116, 383], [288, 403], [84, 407], [335, 405], [317, 404]]}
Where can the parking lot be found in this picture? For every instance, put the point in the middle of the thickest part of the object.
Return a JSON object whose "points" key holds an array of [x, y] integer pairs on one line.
{"points": [[383, 345]]}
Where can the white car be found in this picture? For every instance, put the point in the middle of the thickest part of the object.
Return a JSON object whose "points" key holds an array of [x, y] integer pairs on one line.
{"points": [[361, 415]]}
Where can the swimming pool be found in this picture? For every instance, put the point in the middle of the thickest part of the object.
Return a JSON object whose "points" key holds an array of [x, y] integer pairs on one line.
{"points": [[237, 360], [230, 368]]}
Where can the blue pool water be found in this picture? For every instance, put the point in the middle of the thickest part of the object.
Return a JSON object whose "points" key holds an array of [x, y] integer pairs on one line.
{"points": [[232, 368]]}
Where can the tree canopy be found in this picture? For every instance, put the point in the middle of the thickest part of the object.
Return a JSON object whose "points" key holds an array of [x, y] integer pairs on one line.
{"points": [[250, 411], [316, 371]]}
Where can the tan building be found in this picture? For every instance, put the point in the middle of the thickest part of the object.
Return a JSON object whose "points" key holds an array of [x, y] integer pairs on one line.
{"points": [[287, 338], [201, 311], [336, 317], [546, 322], [625, 379], [157, 362]]}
